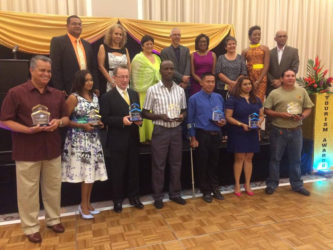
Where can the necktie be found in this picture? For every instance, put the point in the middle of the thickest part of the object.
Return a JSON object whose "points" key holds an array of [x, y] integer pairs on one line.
{"points": [[82, 60], [126, 97]]}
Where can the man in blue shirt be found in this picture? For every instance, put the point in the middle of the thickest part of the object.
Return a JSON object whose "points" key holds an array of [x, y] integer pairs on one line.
{"points": [[205, 119]]}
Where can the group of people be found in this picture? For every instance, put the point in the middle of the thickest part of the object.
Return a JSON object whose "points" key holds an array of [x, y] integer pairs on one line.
{"points": [[174, 90]]}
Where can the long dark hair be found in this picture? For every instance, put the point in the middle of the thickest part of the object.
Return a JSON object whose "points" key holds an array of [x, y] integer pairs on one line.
{"points": [[236, 90], [79, 82]]}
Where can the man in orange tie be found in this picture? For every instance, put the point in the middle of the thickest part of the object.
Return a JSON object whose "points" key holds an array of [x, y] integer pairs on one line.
{"points": [[70, 53]]}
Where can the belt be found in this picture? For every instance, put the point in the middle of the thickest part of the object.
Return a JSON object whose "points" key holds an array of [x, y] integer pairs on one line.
{"points": [[290, 129], [258, 66], [209, 132]]}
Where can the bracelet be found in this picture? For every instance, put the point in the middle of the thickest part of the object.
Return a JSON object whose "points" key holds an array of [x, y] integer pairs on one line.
{"points": [[60, 123], [239, 124]]}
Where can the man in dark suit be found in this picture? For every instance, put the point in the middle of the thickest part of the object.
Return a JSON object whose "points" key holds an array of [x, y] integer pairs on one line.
{"points": [[70, 53], [122, 140], [180, 56], [282, 57]]}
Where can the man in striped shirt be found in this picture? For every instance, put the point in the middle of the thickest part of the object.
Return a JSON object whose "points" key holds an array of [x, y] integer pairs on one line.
{"points": [[165, 105]]}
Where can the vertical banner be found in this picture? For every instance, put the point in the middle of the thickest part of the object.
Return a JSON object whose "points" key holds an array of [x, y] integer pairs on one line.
{"points": [[323, 133]]}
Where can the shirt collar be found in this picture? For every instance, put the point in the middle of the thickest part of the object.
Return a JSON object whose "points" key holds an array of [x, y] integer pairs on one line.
{"points": [[72, 38], [31, 87], [205, 94], [162, 85], [278, 49], [120, 90]]}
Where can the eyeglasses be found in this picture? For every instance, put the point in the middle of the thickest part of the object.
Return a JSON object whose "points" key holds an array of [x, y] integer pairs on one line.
{"points": [[122, 77]]}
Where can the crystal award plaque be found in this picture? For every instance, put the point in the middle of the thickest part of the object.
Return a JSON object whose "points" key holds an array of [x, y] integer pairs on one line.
{"points": [[253, 121], [40, 115], [217, 114], [173, 111], [294, 108], [94, 117], [135, 113]]}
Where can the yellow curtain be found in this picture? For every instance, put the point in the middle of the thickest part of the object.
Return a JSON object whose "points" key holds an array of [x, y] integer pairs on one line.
{"points": [[160, 31], [33, 32]]}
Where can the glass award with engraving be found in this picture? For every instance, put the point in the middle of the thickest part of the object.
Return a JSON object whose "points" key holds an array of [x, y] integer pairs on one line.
{"points": [[173, 111], [135, 113], [294, 108], [253, 121], [217, 114], [94, 117], [40, 115]]}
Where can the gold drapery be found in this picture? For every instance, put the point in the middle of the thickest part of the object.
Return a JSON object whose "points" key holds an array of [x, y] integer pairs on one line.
{"points": [[33, 32]]}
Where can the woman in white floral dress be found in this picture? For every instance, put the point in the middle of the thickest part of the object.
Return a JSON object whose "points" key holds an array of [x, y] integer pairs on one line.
{"points": [[82, 158]]}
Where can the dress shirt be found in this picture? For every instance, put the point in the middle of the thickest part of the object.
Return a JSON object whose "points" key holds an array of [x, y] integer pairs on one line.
{"points": [[17, 106], [177, 52], [80, 56], [280, 53], [159, 98], [121, 92], [200, 111]]}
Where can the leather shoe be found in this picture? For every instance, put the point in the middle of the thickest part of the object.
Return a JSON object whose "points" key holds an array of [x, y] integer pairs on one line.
{"points": [[269, 190], [117, 206], [303, 191], [57, 228], [217, 194], [135, 201], [207, 197], [178, 200], [35, 237], [158, 204]]}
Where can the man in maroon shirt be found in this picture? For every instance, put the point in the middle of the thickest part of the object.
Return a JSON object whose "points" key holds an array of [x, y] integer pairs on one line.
{"points": [[36, 149]]}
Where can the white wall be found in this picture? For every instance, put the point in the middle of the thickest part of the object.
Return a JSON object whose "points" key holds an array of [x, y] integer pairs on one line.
{"points": [[115, 8]]}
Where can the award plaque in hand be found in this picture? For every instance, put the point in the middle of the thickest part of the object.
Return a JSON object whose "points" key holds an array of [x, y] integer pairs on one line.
{"points": [[294, 108], [253, 121], [94, 117], [217, 114], [135, 113], [173, 111], [40, 115]]}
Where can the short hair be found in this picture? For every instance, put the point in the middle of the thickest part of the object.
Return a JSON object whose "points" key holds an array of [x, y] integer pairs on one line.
{"points": [[33, 61], [116, 69], [253, 28], [109, 32], [197, 39], [236, 90], [227, 39], [68, 20], [79, 81], [283, 72], [207, 74], [146, 38]]}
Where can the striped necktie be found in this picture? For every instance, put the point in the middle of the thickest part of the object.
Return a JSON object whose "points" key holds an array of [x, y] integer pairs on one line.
{"points": [[82, 60]]}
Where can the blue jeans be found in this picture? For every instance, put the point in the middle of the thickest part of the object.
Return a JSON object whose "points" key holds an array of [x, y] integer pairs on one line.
{"points": [[280, 140]]}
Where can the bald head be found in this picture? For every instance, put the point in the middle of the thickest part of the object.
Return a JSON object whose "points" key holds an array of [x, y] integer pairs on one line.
{"points": [[175, 37], [281, 38]]}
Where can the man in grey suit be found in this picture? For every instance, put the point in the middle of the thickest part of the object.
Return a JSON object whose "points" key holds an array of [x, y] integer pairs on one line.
{"points": [[282, 57], [180, 56]]}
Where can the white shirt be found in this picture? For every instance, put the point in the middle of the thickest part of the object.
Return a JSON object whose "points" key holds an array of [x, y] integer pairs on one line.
{"points": [[280, 53], [121, 92], [159, 98]]}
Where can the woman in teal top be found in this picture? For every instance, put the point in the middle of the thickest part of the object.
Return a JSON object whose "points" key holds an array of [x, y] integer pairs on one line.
{"points": [[145, 73]]}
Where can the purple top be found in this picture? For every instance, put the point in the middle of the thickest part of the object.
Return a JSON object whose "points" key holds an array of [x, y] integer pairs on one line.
{"points": [[202, 64]]}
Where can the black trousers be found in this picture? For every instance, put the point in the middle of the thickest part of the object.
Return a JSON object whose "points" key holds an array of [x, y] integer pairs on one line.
{"points": [[124, 173], [208, 159]]}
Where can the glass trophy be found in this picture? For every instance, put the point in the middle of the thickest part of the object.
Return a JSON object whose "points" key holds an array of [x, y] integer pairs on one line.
{"points": [[217, 114], [253, 121], [173, 111], [40, 115], [294, 108], [135, 113], [94, 117]]}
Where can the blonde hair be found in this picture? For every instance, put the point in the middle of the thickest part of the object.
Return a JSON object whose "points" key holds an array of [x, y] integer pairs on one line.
{"points": [[109, 32]]}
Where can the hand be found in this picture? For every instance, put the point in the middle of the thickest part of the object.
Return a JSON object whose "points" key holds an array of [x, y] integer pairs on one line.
{"points": [[165, 118], [232, 84], [298, 117], [53, 125], [256, 84], [100, 124], [180, 118], [88, 127], [194, 143], [35, 129], [183, 85], [138, 123], [185, 79], [276, 83], [286, 115], [126, 121], [245, 127], [221, 123]]}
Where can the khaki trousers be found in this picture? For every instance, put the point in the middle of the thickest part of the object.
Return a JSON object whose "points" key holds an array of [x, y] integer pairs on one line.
{"points": [[28, 176]]}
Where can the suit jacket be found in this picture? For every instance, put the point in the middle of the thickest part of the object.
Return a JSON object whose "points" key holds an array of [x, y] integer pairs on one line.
{"points": [[183, 67], [65, 64], [289, 60], [113, 109]]}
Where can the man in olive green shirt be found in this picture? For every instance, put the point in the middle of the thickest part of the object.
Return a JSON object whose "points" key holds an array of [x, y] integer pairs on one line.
{"points": [[287, 106]]}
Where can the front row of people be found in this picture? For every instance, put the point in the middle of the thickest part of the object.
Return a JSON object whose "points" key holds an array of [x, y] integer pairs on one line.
{"points": [[37, 149]]}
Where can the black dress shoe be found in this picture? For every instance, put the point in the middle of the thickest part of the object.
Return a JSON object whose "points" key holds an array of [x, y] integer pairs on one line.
{"points": [[117, 206], [135, 201], [158, 204], [178, 200], [207, 197], [217, 194], [269, 190], [35, 237], [303, 191]]}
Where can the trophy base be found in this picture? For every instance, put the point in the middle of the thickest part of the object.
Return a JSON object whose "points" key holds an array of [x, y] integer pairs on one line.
{"points": [[135, 119], [42, 124]]}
